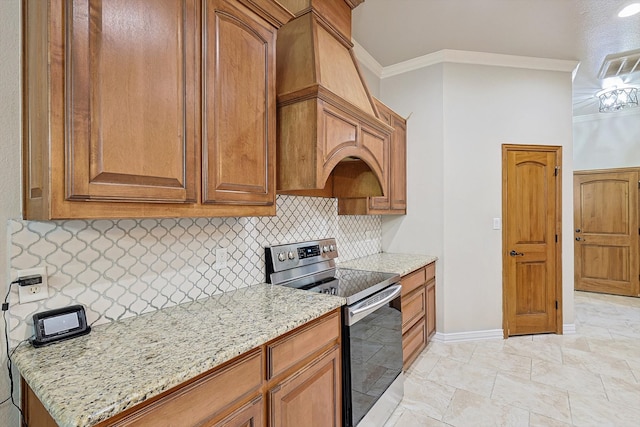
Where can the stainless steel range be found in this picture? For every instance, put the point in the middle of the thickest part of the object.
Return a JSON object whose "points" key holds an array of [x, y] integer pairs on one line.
{"points": [[372, 380]]}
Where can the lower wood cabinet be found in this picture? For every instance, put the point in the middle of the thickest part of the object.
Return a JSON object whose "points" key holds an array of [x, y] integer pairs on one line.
{"points": [[300, 386], [418, 311], [313, 395], [249, 415]]}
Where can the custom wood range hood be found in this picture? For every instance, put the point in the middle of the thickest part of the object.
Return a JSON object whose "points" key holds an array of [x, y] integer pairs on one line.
{"points": [[330, 140]]}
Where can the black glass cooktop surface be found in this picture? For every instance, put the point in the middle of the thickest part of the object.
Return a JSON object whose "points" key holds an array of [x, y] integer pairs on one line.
{"points": [[355, 285]]}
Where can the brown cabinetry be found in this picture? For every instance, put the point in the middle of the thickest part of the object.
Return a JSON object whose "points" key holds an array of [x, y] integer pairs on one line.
{"points": [[395, 200], [418, 311], [149, 108], [304, 370], [311, 397], [301, 386], [204, 400]]}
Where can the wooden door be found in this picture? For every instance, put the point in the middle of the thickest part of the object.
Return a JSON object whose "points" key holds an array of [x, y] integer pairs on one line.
{"points": [[132, 108], [531, 239], [239, 106], [312, 398], [606, 232]]}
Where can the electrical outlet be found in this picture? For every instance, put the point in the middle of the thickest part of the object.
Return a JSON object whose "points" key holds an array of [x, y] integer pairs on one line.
{"points": [[221, 258], [35, 292]]}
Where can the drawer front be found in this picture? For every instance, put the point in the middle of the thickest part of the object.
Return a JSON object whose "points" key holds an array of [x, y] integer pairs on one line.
{"points": [[286, 352], [413, 342], [430, 271], [204, 398], [413, 307], [413, 280]]}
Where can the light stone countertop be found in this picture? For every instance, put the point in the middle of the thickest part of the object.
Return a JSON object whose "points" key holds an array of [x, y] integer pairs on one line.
{"points": [[390, 263], [88, 379]]}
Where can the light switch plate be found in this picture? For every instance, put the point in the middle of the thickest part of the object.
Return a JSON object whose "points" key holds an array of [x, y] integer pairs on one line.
{"points": [[497, 223]]}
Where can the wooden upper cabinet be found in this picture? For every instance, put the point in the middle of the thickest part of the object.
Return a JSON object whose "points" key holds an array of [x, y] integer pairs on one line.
{"points": [[167, 105], [238, 116], [394, 202], [131, 100], [398, 168]]}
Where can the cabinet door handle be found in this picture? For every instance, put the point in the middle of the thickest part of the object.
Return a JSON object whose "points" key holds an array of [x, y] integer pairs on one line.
{"points": [[514, 253]]}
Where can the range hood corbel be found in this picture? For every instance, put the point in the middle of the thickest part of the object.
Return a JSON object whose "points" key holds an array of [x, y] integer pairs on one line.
{"points": [[330, 140]]}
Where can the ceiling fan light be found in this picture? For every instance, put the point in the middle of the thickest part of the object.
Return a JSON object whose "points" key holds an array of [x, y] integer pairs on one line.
{"points": [[629, 10]]}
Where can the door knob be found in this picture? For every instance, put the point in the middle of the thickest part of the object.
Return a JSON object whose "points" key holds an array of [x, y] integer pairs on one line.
{"points": [[578, 239], [514, 253], [578, 230]]}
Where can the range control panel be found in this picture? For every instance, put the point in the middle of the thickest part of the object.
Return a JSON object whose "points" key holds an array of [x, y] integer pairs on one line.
{"points": [[285, 257]]}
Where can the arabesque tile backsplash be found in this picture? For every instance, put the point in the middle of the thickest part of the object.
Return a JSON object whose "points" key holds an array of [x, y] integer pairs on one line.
{"points": [[121, 268]]}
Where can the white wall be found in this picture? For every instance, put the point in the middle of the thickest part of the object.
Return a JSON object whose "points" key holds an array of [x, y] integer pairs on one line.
{"points": [[607, 140], [455, 182], [418, 95], [9, 163]]}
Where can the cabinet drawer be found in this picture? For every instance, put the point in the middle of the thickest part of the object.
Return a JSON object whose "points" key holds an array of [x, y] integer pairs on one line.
{"points": [[413, 342], [286, 352], [203, 399], [430, 271], [413, 280], [413, 307]]}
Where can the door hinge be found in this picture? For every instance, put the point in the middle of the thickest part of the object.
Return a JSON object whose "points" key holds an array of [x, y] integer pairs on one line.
{"points": [[556, 304], [556, 238], [555, 171]]}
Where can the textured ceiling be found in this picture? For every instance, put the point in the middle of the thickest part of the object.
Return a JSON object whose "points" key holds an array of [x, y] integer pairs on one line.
{"points": [[393, 31]]}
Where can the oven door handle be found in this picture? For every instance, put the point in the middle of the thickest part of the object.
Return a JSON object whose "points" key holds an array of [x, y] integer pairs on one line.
{"points": [[362, 309]]}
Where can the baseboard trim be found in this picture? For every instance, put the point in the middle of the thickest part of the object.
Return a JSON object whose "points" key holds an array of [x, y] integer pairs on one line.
{"points": [[489, 334]]}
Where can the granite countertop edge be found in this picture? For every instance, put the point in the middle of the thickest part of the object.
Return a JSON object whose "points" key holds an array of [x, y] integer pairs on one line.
{"points": [[399, 263]]}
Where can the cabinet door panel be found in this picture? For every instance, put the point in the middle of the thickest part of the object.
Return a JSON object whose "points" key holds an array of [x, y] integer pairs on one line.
{"points": [[431, 308], [398, 181], [310, 399], [250, 415], [131, 104], [238, 93]]}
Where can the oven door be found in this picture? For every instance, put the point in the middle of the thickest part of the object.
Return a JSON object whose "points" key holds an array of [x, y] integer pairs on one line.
{"points": [[372, 358]]}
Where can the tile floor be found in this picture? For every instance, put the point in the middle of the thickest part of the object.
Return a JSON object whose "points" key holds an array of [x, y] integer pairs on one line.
{"points": [[591, 378]]}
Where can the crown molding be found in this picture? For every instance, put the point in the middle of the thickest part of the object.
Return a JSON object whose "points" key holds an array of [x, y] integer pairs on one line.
{"points": [[463, 57], [605, 116], [480, 58], [365, 59]]}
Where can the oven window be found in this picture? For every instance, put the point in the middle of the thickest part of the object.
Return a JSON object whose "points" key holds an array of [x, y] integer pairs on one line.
{"points": [[375, 356]]}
